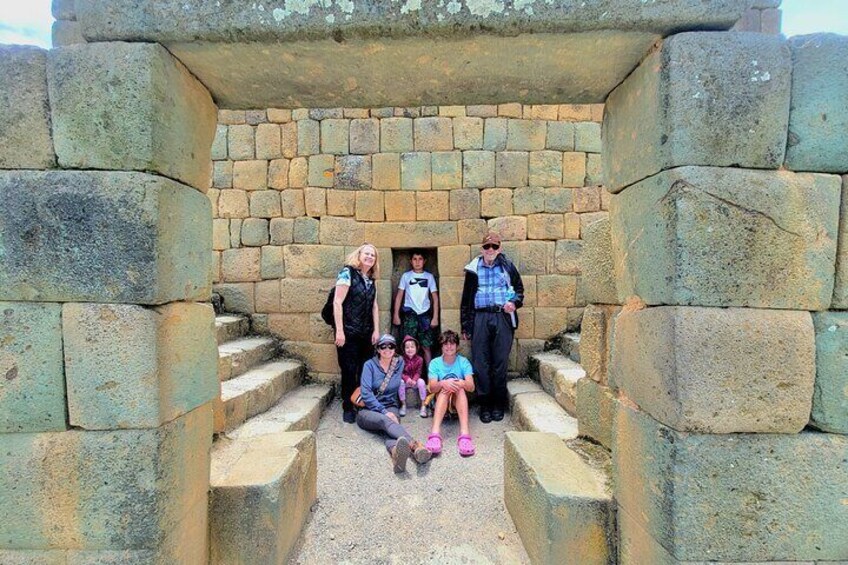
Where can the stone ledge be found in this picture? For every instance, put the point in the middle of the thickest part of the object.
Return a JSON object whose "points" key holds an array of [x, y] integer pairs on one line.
{"points": [[534, 410]]}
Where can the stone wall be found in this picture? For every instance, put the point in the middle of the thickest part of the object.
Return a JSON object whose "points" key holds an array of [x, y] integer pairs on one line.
{"points": [[293, 191], [764, 16]]}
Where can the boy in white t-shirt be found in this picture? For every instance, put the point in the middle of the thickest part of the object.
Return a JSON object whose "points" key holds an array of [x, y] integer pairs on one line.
{"points": [[417, 293]]}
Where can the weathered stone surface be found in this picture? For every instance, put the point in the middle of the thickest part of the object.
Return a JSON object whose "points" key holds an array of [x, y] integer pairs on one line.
{"points": [[818, 118], [411, 234], [254, 392], [771, 242], [830, 398], [682, 365], [596, 409], [534, 410], [106, 489], [262, 490], [304, 295], [167, 360], [596, 335], [840, 286], [700, 100], [103, 237], [560, 505], [25, 140], [156, 116], [733, 497], [313, 261], [597, 283], [32, 383], [558, 376]]}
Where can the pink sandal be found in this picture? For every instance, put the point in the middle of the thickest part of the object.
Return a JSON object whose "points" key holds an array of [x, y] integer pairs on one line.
{"points": [[465, 445], [434, 443]]}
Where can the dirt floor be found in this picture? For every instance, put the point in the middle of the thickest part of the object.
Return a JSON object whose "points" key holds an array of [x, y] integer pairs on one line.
{"points": [[450, 510]]}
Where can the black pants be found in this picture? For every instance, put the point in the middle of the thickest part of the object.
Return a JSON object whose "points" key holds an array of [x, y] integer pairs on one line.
{"points": [[352, 356], [491, 343]]}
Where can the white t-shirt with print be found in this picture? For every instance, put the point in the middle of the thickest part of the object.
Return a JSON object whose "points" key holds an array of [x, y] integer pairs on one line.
{"points": [[416, 289]]}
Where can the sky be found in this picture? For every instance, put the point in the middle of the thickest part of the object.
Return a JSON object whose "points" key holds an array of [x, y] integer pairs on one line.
{"points": [[29, 21]]}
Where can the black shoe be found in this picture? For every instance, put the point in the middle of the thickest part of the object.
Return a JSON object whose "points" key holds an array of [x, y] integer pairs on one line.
{"points": [[497, 414], [349, 417], [486, 416]]}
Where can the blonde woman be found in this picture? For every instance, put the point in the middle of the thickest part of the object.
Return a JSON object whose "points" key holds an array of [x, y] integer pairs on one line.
{"points": [[357, 319]]}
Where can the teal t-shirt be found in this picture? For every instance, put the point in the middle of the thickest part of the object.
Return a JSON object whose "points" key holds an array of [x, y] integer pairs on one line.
{"points": [[459, 369]]}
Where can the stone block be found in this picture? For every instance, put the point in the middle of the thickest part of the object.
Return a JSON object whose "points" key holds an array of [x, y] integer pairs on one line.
{"points": [[255, 117], [308, 137], [452, 260], [770, 21], [365, 136], [278, 173], [567, 257], [131, 126], [167, 358], [63, 9], [432, 206], [575, 112], [265, 204], [271, 264], [341, 203], [268, 141], [222, 174], [220, 234], [66, 33], [412, 234], [478, 169], [446, 169], [529, 200], [326, 113], [306, 230], [526, 135], [281, 231], [241, 265], [103, 489], [289, 140], [450, 290], [25, 137], [556, 290], [340, 231], [279, 115], [598, 280], [468, 133], [534, 410], [700, 100], [322, 170], [238, 297], [304, 295], [587, 137], [587, 199], [298, 172], [267, 300], [541, 112], [545, 168], [482, 111], [369, 206], [415, 171], [496, 202], [464, 203], [400, 206], [250, 175], [254, 232], [386, 171], [594, 170], [596, 409], [262, 490], [219, 143], [572, 225], [495, 134], [315, 201], [589, 218], [573, 169], [545, 226], [596, 338], [511, 168], [313, 261], [102, 237], [682, 366], [560, 505], [764, 227], [452, 111], [511, 110], [241, 142], [320, 357], [32, 394], [550, 321], [230, 117], [396, 135], [235, 232], [472, 231], [830, 397], [818, 119], [732, 497], [335, 136], [531, 257], [560, 136], [510, 228], [433, 134]]}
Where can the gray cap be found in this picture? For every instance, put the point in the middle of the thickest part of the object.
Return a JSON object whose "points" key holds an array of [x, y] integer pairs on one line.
{"points": [[387, 338]]}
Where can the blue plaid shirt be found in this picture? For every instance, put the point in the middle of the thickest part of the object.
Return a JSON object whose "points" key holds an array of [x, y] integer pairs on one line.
{"points": [[493, 286]]}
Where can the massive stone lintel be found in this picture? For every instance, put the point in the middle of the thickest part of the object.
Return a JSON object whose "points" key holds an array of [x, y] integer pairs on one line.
{"points": [[733, 497], [707, 236], [714, 99], [130, 107], [102, 237], [389, 53], [127, 489], [717, 370]]}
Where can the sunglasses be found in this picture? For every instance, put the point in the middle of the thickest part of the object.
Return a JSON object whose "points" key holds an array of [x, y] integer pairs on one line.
{"points": [[386, 346], [488, 246]]}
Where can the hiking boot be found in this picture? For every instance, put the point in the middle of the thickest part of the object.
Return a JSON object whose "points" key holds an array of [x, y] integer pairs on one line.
{"points": [[420, 453], [497, 414], [400, 453], [485, 415]]}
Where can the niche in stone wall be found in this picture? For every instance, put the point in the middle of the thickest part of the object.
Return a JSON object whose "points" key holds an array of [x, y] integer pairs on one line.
{"points": [[402, 263]]}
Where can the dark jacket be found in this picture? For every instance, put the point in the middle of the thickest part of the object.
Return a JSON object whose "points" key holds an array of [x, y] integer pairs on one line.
{"points": [[373, 376], [358, 306], [469, 289]]}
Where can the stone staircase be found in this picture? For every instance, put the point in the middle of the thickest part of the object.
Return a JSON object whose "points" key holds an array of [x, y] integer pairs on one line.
{"points": [[264, 466]]}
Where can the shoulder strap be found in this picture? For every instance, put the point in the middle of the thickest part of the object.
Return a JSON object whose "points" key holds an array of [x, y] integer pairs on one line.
{"points": [[392, 368]]}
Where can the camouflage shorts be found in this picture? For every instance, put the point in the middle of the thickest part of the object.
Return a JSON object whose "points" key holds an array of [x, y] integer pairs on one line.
{"points": [[418, 326]]}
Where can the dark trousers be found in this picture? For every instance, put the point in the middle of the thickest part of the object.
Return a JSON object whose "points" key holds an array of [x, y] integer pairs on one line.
{"points": [[352, 356], [491, 343]]}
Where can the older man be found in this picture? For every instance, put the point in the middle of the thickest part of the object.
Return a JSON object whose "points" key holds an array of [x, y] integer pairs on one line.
{"points": [[492, 293]]}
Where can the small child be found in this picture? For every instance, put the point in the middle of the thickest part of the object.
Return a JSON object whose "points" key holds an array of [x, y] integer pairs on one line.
{"points": [[417, 293], [412, 367]]}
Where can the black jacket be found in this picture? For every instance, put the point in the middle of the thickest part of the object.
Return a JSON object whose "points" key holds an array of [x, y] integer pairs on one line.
{"points": [[358, 306], [469, 290]]}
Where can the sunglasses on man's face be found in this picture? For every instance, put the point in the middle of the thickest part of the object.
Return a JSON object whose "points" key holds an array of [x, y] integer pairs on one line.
{"points": [[386, 346], [488, 246]]}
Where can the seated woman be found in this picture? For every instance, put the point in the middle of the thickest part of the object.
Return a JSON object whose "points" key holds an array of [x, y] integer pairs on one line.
{"points": [[381, 378], [451, 378]]}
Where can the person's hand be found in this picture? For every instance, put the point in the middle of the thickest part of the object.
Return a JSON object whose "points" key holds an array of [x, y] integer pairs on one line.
{"points": [[435, 320], [449, 386], [340, 338], [375, 336], [466, 336], [509, 307], [391, 416], [396, 320]]}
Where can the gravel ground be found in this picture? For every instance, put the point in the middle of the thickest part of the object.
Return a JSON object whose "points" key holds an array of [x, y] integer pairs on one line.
{"points": [[450, 510]]}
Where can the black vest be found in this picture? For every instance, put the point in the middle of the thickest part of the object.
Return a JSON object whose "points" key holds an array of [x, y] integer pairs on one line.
{"points": [[358, 306]]}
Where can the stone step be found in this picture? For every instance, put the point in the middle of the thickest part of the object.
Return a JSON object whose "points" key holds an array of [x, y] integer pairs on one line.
{"points": [[262, 489], [298, 410], [570, 346], [561, 504], [558, 376], [255, 391], [231, 326], [534, 410], [238, 356]]}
